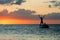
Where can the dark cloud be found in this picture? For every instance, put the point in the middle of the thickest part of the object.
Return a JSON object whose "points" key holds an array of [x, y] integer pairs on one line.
{"points": [[53, 16], [55, 3], [5, 1], [22, 13], [27, 14], [18, 2]]}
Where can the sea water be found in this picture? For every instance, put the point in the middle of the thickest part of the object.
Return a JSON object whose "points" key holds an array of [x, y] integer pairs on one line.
{"points": [[29, 32]]}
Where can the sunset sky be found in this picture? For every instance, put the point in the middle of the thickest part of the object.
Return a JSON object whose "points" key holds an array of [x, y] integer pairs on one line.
{"points": [[25, 12]]}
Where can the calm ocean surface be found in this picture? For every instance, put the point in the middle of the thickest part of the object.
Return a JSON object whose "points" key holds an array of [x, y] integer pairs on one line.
{"points": [[29, 32]]}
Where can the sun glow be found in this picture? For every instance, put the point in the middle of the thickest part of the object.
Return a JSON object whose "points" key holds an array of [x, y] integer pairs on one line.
{"points": [[17, 21], [5, 22], [21, 21]]}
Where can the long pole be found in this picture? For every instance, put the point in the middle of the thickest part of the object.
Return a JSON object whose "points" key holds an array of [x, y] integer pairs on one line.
{"points": [[41, 18]]}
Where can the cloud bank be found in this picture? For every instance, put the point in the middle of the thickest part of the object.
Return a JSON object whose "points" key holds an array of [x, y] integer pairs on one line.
{"points": [[53, 16], [27, 14], [20, 14]]}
